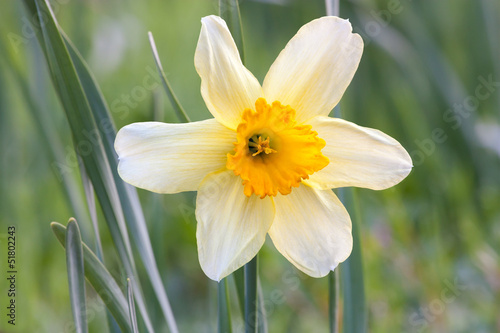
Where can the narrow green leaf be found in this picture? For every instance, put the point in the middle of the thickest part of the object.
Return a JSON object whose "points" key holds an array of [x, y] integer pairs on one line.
{"points": [[354, 318], [111, 191], [127, 194], [179, 110], [251, 295], [224, 314], [101, 280], [90, 197], [131, 306], [76, 276], [138, 229], [129, 199], [229, 10], [93, 94], [38, 106], [85, 134]]}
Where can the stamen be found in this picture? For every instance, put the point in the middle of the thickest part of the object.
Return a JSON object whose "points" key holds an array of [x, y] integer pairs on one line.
{"points": [[256, 145]]}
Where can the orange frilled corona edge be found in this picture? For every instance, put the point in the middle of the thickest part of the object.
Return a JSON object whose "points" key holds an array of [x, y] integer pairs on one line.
{"points": [[273, 153]]}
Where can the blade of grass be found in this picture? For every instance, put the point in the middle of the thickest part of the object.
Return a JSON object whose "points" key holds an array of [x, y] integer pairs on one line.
{"points": [[76, 276], [229, 10], [251, 296], [179, 110], [82, 123], [131, 306], [224, 313], [101, 280]]}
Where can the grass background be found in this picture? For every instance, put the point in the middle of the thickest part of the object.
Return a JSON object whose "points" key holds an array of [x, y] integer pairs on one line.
{"points": [[430, 245]]}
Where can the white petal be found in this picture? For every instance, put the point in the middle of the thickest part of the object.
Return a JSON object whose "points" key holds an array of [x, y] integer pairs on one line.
{"points": [[231, 226], [227, 87], [359, 156], [312, 229], [315, 68], [171, 158]]}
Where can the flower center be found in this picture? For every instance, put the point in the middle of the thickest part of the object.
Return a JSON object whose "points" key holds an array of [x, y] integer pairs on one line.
{"points": [[256, 145], [273, 153]]}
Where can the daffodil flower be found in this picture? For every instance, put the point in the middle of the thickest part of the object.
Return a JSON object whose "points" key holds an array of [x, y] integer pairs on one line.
{"points": [[267, 161]]}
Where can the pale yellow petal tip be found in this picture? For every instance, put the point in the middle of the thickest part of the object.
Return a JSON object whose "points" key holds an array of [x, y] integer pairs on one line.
{"points": [[408, 163], [335, 265], [128, 134], [347, 23], [207, 19], [215, 274], [119, 140]]}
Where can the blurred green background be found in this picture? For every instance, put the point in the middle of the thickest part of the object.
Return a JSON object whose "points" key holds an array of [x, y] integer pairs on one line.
{"points": [[429, 77]]}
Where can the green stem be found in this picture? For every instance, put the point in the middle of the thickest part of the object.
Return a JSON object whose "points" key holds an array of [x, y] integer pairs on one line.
{"points": [[332, 7], [333, 288], [239, 280], [224, 314], [354, 318], [251, 296]]}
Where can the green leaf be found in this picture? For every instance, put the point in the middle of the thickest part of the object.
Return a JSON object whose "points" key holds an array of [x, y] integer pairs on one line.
{"points": [[91, 124], [229, 10], [354, 319], [224, 314], [76, 276], [179, 110], [131, 306], [38, 106], [129, 199], [85, 134], [90, 197], [251, 296], [101, 280]]}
